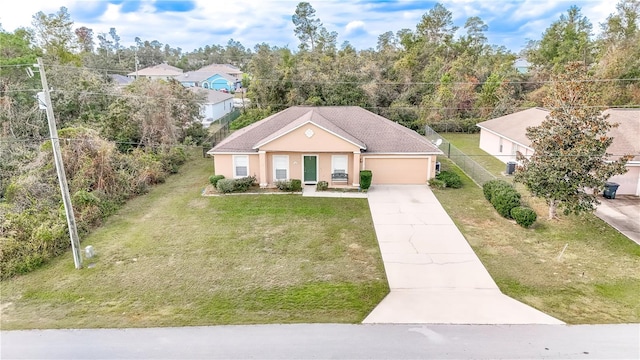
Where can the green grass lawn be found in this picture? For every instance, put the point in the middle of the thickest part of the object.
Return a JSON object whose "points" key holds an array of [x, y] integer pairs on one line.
{"points": [[468, 144], [597, 279], [176, 258]]}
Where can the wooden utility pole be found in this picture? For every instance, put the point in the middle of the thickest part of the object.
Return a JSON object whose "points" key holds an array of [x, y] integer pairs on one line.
{"points": [[62, 177]]}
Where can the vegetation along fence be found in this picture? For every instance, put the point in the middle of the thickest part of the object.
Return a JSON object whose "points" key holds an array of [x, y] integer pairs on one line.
{"points": [[221, 133], [475, 171]]}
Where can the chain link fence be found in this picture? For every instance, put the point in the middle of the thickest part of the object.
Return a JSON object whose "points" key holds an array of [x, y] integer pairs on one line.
{"points": [[221, 133], [475, 171]]}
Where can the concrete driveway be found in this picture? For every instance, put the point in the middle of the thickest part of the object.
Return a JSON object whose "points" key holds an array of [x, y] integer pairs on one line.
{"points": [[434, 275], [622, 213]]}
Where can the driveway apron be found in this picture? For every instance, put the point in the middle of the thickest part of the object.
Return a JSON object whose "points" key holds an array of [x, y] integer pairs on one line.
{"points": [[434, 275]]}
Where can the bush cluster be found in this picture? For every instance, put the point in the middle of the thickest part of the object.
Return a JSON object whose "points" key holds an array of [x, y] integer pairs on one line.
{"points": [[322, 185], [365, 179], [235, 185], [506, 200], [450, 179], [437, 183], [213, 179], [289, 185]]}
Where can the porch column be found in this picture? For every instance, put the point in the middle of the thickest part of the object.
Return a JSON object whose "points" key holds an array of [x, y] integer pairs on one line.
{"points": [[356, 169], [262, 155]]}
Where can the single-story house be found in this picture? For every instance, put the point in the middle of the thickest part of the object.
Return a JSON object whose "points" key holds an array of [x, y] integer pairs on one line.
{"points": [[208, 80], [217, 104], [157, 72], [502, 137], [328, 143]]}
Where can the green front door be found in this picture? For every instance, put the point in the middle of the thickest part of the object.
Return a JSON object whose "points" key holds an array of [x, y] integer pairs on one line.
{"points": [[310, 169]]}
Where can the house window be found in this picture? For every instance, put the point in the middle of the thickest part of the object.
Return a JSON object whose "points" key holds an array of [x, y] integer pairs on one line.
{"points": [[240, 166], [339, 165], [280, 167], [500, 145], [514, 149]]}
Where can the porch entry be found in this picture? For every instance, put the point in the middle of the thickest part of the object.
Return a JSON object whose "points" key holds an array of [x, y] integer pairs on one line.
{"points": [[310, 168]]}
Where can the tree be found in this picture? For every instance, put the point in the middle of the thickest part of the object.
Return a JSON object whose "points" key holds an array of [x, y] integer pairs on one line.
{"points": [[570, 146], [307, 26], [55, 35]]}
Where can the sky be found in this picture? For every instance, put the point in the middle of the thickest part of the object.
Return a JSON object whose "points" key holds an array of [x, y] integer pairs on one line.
{"points": [[193, 24]]}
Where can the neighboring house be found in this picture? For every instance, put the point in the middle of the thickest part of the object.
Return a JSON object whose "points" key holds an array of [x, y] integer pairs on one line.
{"points": [[157, 72], [331, 143], [502, 137], [208, 80], [217, 104], [228, 69], [522, 66]]}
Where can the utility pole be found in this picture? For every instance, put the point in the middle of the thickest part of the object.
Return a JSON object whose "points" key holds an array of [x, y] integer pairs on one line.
{"points": [[62, 177]]}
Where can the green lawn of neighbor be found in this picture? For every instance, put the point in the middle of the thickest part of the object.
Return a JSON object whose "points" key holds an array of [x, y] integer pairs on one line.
{"points": [[176, 258], [597, 279]]}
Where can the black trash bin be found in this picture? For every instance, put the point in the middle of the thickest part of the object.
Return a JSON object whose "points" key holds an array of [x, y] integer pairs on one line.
{"points": [[610, 189], [511, 167]]}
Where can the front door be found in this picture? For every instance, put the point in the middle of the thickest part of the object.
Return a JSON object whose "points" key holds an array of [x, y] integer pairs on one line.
{"points": [[310, 164]]}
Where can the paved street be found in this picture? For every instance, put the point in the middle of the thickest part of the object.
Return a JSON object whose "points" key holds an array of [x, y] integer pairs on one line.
{"points": [[623, 213], [324, 341]]}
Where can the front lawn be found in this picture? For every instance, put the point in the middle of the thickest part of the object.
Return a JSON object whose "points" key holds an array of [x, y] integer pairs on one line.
{"points": [[176, 258], [597, 278]]}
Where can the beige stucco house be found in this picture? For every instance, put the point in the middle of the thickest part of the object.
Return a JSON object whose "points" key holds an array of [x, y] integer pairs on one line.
{"points": [[504, 136], [331, 143]]}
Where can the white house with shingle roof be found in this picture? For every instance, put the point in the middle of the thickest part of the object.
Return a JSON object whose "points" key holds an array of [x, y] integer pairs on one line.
{"points": [[216, 105], [329, 143], [502, 137]]}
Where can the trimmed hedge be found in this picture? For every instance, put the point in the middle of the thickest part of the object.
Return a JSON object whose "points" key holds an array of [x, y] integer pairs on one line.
{"points": [[213, 179], [490, 186], [524, 216], [504, 199], [322, 186], [365, 179], [235, 185], [226, 185], [451, 179], [437, 183]]}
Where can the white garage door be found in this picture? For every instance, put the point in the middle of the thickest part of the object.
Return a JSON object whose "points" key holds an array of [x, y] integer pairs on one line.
{"points": [[398, 170]]}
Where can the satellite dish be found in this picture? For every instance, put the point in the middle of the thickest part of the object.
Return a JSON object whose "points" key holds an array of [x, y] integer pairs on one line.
{"points": [[438, 142]]}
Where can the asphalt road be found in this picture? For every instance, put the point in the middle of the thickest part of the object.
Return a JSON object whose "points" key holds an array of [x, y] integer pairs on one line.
{"points": [[324, 341]]}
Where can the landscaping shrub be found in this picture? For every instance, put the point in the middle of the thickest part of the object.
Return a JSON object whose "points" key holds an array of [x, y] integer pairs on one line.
{"points": [[213, 179], [243, 184], [296, 185], [490, 186], [322, 186], [226, 185], [504, 199], [283, 185], [524, 216], [437, 183], [365, 179], [450, 179]]}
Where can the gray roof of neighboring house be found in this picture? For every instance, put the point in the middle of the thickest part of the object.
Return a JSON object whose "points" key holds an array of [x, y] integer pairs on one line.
{"points": [[371, 132], [158, 70], [212, 96], [201, 75], [121, 79], [222, 69], [625, 135]]}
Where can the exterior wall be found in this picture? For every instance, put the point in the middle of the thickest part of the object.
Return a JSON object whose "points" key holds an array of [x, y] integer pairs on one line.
{"points": [[400, 169], [223, 165], [320, 141], [629, 182], [217, 82], [213, 112], [296, 166], [490, 143]]}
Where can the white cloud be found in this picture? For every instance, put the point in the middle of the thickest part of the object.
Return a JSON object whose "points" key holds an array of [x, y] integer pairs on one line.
{"points": [[354, 26]]}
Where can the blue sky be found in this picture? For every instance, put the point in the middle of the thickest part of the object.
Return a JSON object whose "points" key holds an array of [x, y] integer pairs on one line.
{"points": [[193, 24]]}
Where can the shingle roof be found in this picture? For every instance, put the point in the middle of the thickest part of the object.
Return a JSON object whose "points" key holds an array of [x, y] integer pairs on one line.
{"points": [[222, 69], [201, 75], [625, 135], [212, 96], [355, 124], [158, 70]]}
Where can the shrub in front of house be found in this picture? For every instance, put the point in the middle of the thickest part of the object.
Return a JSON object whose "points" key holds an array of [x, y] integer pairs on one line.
{"points": [[226, 185], [524, 216], [213, 179], [451, 179], [504, 199], [322, 186], [437, 183], [296, 185], [243, 184], [365, 179], [283, 185], [492, 185]]}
